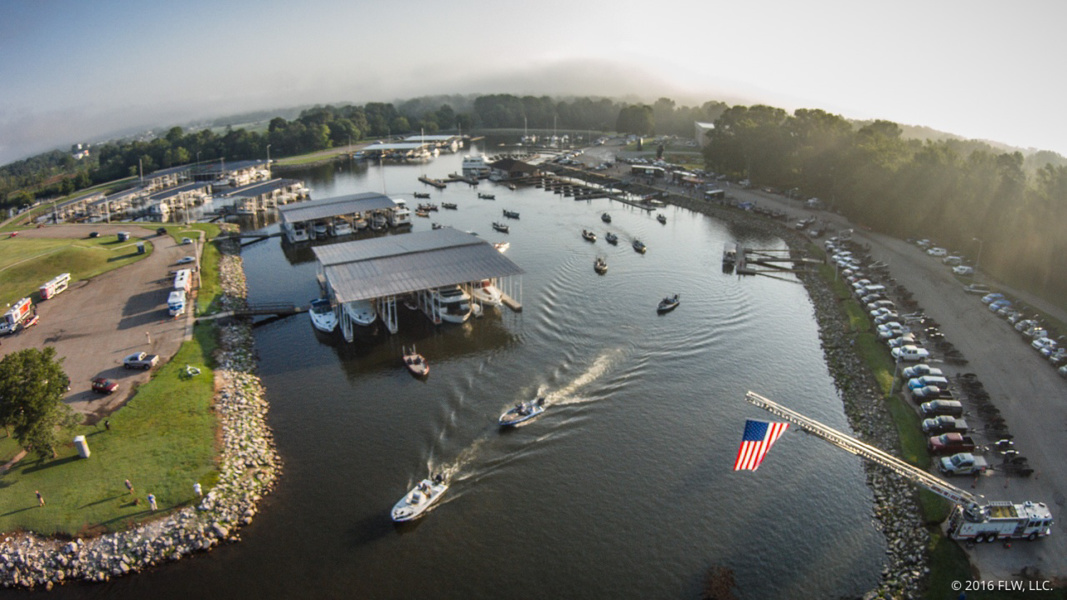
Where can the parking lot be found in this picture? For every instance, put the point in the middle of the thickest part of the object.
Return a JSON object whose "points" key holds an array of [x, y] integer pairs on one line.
{"points": [[95, 323]]}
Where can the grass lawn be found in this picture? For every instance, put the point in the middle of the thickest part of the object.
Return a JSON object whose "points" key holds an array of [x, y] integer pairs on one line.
{"points": [[26, 263], [163, 441]]}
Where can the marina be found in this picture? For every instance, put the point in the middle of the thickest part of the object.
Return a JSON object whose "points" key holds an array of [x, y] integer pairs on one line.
{"points": [[608, 424]]}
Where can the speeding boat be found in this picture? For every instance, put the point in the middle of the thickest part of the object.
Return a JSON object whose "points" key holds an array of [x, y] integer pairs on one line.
{"points": [[510, 214], [415, 362], [588, 236], [605, 218], [661, 219], [640, 246], [667, 304], [421, 497], [486, 293], [600, 265], [500, 227], [611, 238], [523, 411], [322, 316]]}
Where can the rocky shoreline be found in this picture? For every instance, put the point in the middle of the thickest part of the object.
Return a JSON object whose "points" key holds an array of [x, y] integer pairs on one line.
{"points": [[896, 506], [248, 468]]}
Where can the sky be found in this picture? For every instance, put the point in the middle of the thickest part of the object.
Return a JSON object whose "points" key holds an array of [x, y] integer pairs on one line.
{"points": [[73, 71]]}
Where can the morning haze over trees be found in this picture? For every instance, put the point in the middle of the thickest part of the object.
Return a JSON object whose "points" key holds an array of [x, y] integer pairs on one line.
{"points": [[953, 191]]}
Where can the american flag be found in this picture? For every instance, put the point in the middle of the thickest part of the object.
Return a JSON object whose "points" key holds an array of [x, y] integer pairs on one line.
{"points": [[757, 441]]}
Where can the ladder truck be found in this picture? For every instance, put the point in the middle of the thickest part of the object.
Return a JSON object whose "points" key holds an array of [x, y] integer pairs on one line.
{"points": [[972, 518]]}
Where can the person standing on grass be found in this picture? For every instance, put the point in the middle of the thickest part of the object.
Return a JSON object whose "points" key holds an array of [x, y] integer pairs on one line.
{"points": [[152, 501], [129, 486], [199, 490], [40, 498]]}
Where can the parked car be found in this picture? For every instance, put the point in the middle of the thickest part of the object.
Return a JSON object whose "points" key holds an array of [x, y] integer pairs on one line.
{"points": [[937, 252], [963, 463], [890, 330], [886, 317], [934, 408], [963, 270], [999, 304], [911, 353], [904, 340], [944, 424], [187, 241], [102, 385], [931, 392], [881, 304], [992, 297], [186, 260], [920, 370], [977, 288], [926, 380], [1044, 342], [952, 261], [1025, 324], [950, 443], [140, 360]]}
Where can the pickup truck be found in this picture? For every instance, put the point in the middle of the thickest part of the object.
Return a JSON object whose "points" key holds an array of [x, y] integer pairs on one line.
{"points": [[950, 443], [944, 424], [931, 392], [963, 463], [140, 360]]}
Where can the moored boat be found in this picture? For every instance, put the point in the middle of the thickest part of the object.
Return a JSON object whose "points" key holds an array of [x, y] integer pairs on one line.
{"points": [[605, 218], [523, 411], [485, 292], [361, 312], [421, 497], [611, 238], [589, 236], [449, 205], [500, 227], [668, 304], [510, 214], [322, 316], [600, 265], [422, 195], [661, 218], [422, 213], [415, 362], [487, 196], [640, 246]]}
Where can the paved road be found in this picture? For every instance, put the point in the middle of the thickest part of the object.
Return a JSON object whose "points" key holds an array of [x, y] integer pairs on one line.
{"points": [[96, 323]]}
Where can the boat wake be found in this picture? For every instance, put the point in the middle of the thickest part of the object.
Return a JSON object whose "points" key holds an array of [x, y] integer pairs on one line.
{"points": [[566, 395]]}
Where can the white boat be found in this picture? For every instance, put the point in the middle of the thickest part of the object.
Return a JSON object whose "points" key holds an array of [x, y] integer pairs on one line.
{"points": [[502, 228], [453, 303], [600, 265], [378, 222], [486, 293], [361, 312], [322, 316], [589, 236], [319, 230], [421, 497], [475, 165], [400, 216], [359, 223], [341, 227], [523, 411]]}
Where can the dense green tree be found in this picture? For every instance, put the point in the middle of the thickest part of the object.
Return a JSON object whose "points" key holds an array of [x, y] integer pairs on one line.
{"points": [[32, 383], [637, 119]]}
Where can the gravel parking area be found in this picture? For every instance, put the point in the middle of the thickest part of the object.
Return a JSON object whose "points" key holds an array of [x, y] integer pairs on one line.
{"points": [[95, 323]]}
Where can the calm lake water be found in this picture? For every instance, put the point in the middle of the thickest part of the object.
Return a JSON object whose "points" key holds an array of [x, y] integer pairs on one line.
{"points": [[623, 489]]}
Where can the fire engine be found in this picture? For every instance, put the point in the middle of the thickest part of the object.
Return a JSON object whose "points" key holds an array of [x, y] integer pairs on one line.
{"points": [[972, 519]]}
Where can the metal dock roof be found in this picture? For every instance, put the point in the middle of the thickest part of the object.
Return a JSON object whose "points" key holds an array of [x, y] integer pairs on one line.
{"points": [[399, 264], [332, 207]]}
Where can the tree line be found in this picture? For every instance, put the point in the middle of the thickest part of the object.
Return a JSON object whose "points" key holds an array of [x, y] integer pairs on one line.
{"points": [[56, 173], [963, 194]]}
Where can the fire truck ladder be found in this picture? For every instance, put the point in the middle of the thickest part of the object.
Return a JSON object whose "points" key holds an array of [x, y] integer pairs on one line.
{"points": [[970, 502]]}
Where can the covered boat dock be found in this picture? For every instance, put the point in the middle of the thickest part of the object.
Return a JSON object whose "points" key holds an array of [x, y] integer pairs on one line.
{"points": [[385, 268], [298, 220]]}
